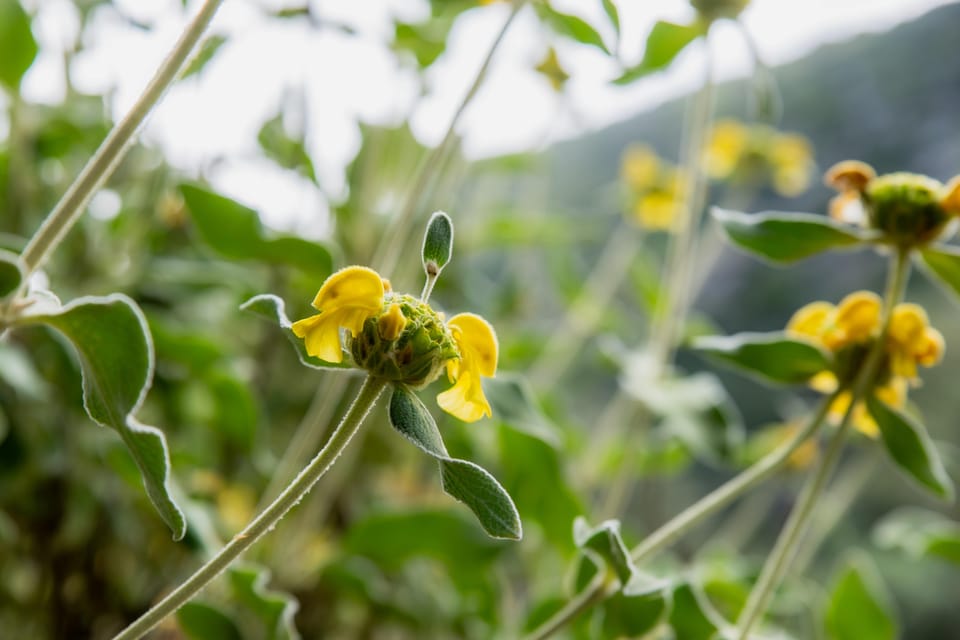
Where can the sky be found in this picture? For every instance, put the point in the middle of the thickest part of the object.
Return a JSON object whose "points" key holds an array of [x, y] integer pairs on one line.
{"points": [[210, 121]]}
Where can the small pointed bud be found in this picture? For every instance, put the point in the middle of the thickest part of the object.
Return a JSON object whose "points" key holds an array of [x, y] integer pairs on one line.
{"points": [[437, 244]]}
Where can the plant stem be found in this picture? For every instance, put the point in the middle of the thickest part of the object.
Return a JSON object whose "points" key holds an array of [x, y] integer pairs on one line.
{"points": [[782, 554], [269, 517], [114, 147], [582, 316], [591, 594], [398, 232], [733, 488]]}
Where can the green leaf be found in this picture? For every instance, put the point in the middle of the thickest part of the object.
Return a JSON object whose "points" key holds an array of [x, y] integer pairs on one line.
{"points": [[786, 237], [571, 26], [606, 543], [437, 243], [909, 445], [944, 263], [425, 41], [208, 49], [448, 537], [271, 308], [634, 616], [275, 609], [665, 42], [18, 49], [533, 474], [18, 370], [201, 621], [611, 10], [514, 405], [113, 345], [463, 480], [11, 273], [920, 533], [287, 151], [689, 617], [234, 231], [771, 356], [858, 607]]}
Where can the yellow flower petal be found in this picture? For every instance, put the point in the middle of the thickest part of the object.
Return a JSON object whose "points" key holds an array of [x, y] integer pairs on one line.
{"points": [[849, 175], [857, 318], [346, 299], [810, 321], [640, 167], [726, 144], [933, 346], [477, 344], [951, 196]]}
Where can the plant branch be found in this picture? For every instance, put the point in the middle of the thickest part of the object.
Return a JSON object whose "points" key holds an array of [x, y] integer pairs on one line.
{"points": [[268, 518], [114, 147], [597, 590], [783, 551], [730, 490]]}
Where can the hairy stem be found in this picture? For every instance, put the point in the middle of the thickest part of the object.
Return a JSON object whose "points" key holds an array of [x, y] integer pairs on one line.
{"points": [[593, 593], [268, 518], [730, 490], [778, 562], [114, 147], [397, 234]]}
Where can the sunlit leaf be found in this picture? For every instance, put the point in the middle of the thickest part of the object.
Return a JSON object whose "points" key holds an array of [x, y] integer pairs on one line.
{"points": [[275, 609], [909, 445], [113, 344], [786, 237], [464, 480], [611, 10], [18, 48], [665, 42], [771, 356], [272, 308], [920, 533], [201, 621], [234, 231], [287, 151], [11, 274], [858, 608], [571, 26], [944, 262]]}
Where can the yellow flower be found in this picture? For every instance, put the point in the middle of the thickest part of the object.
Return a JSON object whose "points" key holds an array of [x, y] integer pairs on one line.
{"points": [[908, 208], [346, 299], [640, 167], [855, 319], [894, 393], [656, 189], [401, 339], [791, 159], [911, 341], [851, 326], [477, 343], [758, 153], [726, 145]]}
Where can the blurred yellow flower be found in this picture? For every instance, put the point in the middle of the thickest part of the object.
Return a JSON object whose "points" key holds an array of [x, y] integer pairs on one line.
{"points": [[655, 188], [855, 319], [894, 393], [552, 70], [757, 153], [477, 343], [404, 341]]}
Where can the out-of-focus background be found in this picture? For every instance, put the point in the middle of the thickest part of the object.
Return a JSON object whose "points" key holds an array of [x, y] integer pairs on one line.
{"points": [[316, 116]]}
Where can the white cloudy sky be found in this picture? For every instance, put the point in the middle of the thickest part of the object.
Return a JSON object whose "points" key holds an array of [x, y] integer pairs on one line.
{"points": [[346, 79]]}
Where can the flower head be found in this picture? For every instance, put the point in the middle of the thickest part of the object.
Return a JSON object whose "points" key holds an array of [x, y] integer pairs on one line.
{"points": [[909, 209], [400, 338], [757, 154], [848, 331], [655, 188]]}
